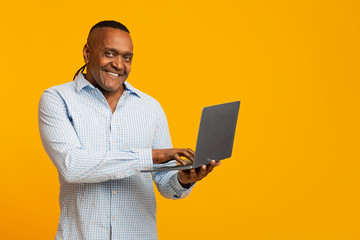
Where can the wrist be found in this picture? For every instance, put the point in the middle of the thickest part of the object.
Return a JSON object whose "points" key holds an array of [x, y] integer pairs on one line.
{"points": [[184, 184], [154, 156]]}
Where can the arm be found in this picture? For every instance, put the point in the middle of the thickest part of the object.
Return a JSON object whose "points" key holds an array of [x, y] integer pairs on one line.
{"points": [[78, 165], [175, 185], [167, 182]]}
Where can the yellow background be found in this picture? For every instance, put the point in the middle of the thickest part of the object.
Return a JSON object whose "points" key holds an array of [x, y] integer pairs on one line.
{"points": [[294, 65]]}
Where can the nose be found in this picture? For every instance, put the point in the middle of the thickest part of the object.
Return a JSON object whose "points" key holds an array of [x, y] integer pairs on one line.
{"points": [[118, 63]]}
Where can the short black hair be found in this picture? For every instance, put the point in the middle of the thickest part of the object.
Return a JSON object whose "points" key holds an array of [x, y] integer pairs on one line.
{"points": [[110, 23], [106, 23]]}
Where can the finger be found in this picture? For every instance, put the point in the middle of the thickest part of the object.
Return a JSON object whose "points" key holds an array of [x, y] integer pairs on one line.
{"points": [[193, 174], [202, 172], [211, 166], [181, 176], [188, 154], [192, 152], [177, 158]]}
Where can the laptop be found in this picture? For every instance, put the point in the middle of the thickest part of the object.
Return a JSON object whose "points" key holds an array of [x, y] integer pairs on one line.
{"points": [[215, 138]]}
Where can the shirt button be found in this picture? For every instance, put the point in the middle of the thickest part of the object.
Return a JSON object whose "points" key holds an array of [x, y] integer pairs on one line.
{"points": [[113, 218], [114, 192], [102, 100], [92, 91]]}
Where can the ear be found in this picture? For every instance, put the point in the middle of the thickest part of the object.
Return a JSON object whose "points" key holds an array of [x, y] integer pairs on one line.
{"points": [[86, 53]]}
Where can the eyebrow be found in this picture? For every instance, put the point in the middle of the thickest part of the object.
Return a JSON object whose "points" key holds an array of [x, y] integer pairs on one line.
{"points": [[117, 52]]}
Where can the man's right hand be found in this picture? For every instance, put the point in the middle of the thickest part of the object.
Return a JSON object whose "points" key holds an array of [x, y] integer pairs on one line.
{"points": [[166, 155]]}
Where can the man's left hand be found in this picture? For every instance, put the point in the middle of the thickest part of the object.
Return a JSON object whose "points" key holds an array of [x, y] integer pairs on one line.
{"points": [[190, 176]]}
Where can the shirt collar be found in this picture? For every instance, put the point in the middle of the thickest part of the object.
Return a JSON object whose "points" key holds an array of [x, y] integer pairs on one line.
{"points": [[81, 83], [132, 89]]}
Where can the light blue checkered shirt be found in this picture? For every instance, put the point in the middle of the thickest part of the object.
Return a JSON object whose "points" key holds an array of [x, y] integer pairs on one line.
{"points": [[98, 155]]}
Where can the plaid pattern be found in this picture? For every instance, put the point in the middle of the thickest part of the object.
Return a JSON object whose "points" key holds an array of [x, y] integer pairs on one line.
{"points": [[98, 155]]}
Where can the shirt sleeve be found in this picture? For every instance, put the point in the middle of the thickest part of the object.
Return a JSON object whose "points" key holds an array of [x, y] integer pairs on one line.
{"points": [[75, 164], [167, 182]]}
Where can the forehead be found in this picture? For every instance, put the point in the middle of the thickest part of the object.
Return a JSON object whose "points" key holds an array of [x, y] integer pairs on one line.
{"points": [[107, 37]]}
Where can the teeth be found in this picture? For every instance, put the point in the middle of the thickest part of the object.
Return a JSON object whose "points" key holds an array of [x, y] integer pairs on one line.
{"points": [[113, 74]]}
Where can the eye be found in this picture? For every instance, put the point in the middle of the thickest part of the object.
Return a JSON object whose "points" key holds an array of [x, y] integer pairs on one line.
{"points": [[127, 59], [109, 54]]}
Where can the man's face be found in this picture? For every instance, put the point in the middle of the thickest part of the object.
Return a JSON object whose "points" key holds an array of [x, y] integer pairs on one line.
{"points": [[108, 55]]}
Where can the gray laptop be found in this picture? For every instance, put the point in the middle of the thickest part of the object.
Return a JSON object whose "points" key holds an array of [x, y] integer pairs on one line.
{"points": [[215, 139]]}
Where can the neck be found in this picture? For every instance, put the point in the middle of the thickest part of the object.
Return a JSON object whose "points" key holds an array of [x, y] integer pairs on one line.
{"points": [[111, 97]]}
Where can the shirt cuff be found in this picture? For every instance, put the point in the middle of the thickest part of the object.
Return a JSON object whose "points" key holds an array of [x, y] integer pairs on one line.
{"points": [[180, 191], [145, 158]]}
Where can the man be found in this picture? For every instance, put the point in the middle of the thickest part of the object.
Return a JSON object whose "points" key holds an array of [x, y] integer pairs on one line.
{"points": [[99, 131]]}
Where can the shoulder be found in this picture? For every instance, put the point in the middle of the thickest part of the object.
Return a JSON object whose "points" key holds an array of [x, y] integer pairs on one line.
{"points": [[144, 98], [56, 95], [61, 89]]}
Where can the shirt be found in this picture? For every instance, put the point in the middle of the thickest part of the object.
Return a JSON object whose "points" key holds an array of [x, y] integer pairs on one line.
{"points": [[99, 155]]}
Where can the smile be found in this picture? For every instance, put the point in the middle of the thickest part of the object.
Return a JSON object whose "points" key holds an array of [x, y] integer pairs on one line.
{"points": [[113, 74]]}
